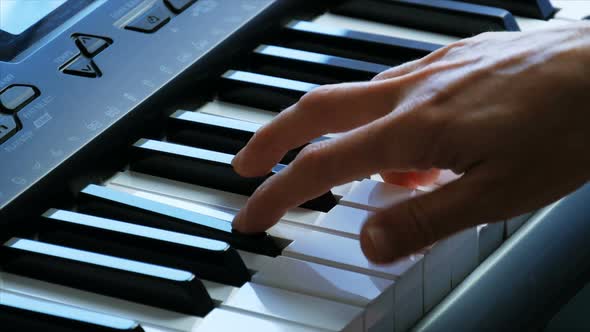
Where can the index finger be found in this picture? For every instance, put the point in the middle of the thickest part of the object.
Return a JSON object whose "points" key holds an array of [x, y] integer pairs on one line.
{"points": [[327, 109]]}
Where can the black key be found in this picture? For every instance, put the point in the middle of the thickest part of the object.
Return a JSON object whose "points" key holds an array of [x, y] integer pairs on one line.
{"points": [[25, 313], [106, 202], [206, 168], [262, 91], [207, 259], [136, 281], [216, 133], [363, 46], [311, 67], [542, 9], [442, 16]]}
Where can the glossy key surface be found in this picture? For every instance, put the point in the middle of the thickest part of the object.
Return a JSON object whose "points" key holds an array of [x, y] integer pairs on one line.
{"points": [[106, 202], [311, 66], [264, 91], [24, 313], [136, 281], [348, 43], [206, 168], [206, 258], [216, 133], [442, 16]]}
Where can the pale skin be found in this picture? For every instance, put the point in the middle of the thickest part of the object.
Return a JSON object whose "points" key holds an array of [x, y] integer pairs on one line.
{"points": [[511, 111]]}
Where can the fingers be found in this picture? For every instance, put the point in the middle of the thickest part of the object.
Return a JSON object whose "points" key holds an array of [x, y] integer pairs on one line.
{"points": [[327, 109], [323, 165], [407, 227], [411, 179]]}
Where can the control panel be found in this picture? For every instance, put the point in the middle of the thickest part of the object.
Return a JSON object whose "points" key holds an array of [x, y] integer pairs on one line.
{"points": [[106, 63]]}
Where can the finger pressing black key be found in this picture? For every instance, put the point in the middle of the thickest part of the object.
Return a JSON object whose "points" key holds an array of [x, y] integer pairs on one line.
{"points": [[25, 313], [442, 16], [131, 280], [358, 45], [310, 66], [206, 168], [206, 258], [541, 9], [106, 202], [217, 133], [262, 91]]}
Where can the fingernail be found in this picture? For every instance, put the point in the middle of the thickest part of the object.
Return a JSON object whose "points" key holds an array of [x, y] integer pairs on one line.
{"points": [[378, 243]]}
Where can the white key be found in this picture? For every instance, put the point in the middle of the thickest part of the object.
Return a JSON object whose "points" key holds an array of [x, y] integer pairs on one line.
{"points": [[373, 294], [152, 319], [437, 273], [572, 9], [515, 223], [343, 220], [345, 22], [374, 195], [490, 237], [345, 253], [465, 255], [238, 112], [222, 320], [531, 24], [295, 307]]}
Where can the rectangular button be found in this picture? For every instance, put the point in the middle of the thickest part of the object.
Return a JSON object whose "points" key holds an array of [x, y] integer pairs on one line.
{"points": [[216, 133], [136, 281], [257, 90], [442, 16], [206, 258], [311, 66], [150, 20], [541, 9], [352, 44], [106, 202], [206, 168], [25, 313]]}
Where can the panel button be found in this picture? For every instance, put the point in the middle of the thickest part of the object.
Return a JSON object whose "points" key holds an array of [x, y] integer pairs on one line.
{"points": [[8, 127], [150, 21], [178, 6], [82, 66], [16, 97], [90, 45]]}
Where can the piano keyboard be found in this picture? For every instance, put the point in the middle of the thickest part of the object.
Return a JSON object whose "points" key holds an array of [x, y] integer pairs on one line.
{"points": [[152, 249]]}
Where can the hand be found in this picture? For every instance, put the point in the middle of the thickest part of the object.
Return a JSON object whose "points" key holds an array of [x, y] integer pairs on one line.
{"points": [[509, 110]]}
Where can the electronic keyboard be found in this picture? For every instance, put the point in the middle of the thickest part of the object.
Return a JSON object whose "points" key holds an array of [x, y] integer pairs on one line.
{"points": [[118, 124]]}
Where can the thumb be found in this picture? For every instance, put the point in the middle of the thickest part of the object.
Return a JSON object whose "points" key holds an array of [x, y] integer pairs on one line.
{"points": [[405, 228]]}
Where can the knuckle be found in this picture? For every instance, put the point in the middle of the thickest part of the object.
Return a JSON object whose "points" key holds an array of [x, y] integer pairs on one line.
{"points": [[311, 155], [317, 96]]}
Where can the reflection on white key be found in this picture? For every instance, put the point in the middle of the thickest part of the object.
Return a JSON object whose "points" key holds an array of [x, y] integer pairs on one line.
{"points": [[345, 22], [375, 195], [297, 308], [374, 294], [151, 319], [512, 225], [572, 9], [491, 237], [344, 221], [238, 112], [221, 320], [345, 253]]}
